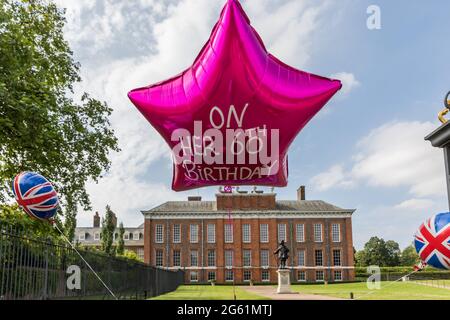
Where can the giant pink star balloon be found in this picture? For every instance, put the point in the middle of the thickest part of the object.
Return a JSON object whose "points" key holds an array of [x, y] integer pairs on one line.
{"points": [[231, 117]]}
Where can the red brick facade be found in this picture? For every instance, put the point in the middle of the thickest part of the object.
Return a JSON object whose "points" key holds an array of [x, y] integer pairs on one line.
{"points": [[254, 210]]}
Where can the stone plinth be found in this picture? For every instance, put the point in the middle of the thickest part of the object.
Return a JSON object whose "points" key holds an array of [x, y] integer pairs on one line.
{"points": [[284, 281]]}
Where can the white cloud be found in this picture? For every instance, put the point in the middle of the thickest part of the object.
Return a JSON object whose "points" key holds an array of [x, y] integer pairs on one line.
{"points": [[415, 204], [349, 82], [393, 155], [335, 176]]}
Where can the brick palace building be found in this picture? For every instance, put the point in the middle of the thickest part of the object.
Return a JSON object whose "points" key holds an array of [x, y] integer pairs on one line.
{"points": [[198, 237]]}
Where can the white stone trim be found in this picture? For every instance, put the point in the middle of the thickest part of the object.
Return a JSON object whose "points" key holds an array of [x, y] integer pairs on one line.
{"points": [[262, 268], [268, 215]]}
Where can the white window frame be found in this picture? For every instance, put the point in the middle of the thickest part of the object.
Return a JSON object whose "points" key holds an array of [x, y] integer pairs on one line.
{"points": [[156, 257], [334, 275], [211, 233], [247, 258], [264, 255], [336, 232], [82, 237], [282, 232], [176, 237], [298, 275], [301, 254], [212, 278], [264, 233], [263, 272], [318, 232], [229, 255], [126, 235], [245, 273], [136, 236], [159, 233], [323, 276], [210, 258], [193, 254], [334, 257], [140, 253], [316, 258], [191, 278], [193, 233], [246, 233], [228, 233], [300, 231], [227, 272], [97, 236], [179, 258]]}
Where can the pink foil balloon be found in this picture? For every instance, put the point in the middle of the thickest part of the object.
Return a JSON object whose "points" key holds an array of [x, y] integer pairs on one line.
{"points": [[231, 117]]}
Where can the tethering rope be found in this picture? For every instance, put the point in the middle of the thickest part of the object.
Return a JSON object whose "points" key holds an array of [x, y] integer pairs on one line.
{"points": [[89, 266]]}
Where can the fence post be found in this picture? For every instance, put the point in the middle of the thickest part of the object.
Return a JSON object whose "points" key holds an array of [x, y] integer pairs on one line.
{"points": [[45, 293]]}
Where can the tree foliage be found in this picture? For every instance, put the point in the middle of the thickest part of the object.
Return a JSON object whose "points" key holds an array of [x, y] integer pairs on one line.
{"points": [[121, 242], [409, 256], [383, 253], [107, 235], [379, 252], [43, 126]]}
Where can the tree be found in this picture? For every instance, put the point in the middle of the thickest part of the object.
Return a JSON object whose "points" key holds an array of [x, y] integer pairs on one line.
{"points": [[107, 235], [379, 252], [121, 243], [43, 126], [409, 256], [131, 255], [393, 254]]}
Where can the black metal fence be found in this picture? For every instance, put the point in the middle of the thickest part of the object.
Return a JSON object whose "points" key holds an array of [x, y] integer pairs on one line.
{"points": [[36, 268]]}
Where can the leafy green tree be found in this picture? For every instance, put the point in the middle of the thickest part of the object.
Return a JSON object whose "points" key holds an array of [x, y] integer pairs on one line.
{"points": [[393, 254], [379, 252], [360, 258], [375, 252], [14, 216], [131, 255], [121, 243], [44, 127], [107, 235], [409, 256]]}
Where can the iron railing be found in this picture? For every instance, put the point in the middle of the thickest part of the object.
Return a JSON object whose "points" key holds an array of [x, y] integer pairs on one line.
{"points": [[33, 268]]}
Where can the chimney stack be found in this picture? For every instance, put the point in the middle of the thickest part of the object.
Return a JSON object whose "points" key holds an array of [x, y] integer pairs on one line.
{"points": [[301, 193], [114, 219], [96, 220]]}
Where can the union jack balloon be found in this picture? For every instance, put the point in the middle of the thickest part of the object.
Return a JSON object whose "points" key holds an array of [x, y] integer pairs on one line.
{"points": [[432, 241], [35, 195]]}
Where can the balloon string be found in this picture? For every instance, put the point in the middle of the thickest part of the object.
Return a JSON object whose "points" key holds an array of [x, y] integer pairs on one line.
{"points": [[89, 266], [389, 284]]}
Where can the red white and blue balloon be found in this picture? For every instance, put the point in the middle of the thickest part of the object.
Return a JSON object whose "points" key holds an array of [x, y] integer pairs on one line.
{"points": [[35, 195], [432, 241]]}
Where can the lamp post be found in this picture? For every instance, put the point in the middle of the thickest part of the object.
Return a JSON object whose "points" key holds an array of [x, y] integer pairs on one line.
{"points": [[440, 138]]}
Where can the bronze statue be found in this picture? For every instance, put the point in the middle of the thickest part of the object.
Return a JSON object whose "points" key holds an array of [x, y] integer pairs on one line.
{"points": [[283, 254]]}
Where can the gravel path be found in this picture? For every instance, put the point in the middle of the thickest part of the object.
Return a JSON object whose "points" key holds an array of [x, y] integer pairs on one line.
{"points": [[271, 293]]}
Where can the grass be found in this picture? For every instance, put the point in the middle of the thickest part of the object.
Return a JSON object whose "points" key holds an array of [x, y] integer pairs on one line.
{"points": [[208, 293], [388, 291]]}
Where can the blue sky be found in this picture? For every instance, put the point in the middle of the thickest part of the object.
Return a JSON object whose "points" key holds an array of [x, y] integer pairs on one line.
{"points": [[365, 150]]}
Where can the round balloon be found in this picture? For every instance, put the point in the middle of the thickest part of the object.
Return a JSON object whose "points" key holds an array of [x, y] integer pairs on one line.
{"points": [[35, 195], [432, 241]]}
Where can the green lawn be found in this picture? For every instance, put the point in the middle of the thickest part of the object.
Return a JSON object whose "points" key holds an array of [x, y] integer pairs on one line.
{"points": [[388, 291], [208, 293]]}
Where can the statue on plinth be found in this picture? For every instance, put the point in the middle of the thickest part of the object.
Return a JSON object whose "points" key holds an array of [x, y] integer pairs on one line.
{"points": [[283, 254]]}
